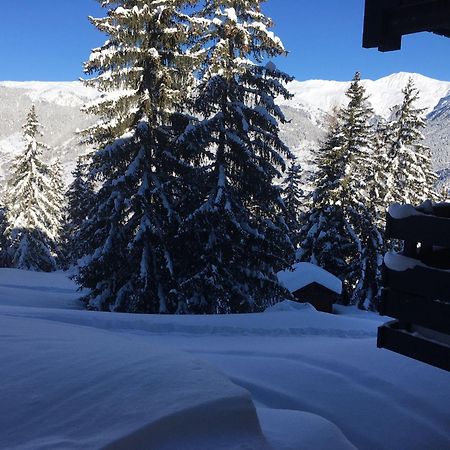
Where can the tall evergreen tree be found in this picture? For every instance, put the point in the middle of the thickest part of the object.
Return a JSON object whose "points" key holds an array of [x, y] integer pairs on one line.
{"points": [[236, 238], [327, 238], [294, 199], [341, 234], [56, 176], [33, 214], [4, 244], [145, 74], [414, 179], [382, 177], [80, 201], [58, 198]]}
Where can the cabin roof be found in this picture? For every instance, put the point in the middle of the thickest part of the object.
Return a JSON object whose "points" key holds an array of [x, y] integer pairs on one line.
{"points": [[304, 274]]}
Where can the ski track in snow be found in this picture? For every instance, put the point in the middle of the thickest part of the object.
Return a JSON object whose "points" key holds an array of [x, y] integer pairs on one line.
{"points": [[316, 381], [168, 328]]}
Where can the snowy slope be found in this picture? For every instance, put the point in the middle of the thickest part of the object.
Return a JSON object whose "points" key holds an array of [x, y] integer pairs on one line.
{"points": [[319, 97], [71, 93], [287, 379], [58, 105]]}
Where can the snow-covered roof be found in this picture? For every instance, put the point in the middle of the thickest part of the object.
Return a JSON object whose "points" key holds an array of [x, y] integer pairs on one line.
{"points": [[304, 273]]}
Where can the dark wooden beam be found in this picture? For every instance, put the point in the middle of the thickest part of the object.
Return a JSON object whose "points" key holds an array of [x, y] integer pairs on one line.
{"points": [[426, 229], [410, 308], [393, 336], [386, 21], [420, 281]]}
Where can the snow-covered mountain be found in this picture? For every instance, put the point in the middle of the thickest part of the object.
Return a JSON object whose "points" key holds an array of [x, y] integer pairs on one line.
{"points": [[314, 101], [58, 106], [320, 97]]}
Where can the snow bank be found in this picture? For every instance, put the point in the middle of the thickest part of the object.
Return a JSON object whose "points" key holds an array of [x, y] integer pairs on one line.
{"points": [[283, 324], [289, 305], [294, 379], [38, 289], [304, 273], [68, 387], [293, 430]]}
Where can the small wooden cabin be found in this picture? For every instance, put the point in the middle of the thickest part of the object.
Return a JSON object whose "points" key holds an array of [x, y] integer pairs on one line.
{"points": [[309, 283]]}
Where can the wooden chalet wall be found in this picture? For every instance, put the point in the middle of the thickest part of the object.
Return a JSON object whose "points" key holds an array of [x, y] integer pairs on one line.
{"points": [[418, 294]]}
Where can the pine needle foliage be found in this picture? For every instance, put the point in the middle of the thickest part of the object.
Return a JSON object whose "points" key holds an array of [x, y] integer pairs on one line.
{"points": [[237, 233], [414, 179], [145, 75], [34, 207]]}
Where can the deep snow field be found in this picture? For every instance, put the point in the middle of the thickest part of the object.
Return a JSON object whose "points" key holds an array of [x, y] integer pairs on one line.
{"points": [[289, 378]]}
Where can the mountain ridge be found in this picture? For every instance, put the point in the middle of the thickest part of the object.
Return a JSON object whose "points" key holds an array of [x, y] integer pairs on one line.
{"points": [[58, 105]]}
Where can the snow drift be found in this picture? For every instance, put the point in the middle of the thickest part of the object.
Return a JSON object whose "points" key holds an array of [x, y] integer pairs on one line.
{"points": [[290, 378]]}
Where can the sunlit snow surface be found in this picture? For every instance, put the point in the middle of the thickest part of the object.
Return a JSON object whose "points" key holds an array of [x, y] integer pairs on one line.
{"points": [[291, 378]]}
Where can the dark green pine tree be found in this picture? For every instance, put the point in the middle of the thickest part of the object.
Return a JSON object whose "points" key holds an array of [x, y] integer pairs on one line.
{"points": [[145, 75], [381, 186], [236, 239], [59, 188], [382, 177], [341, 234], [414, 180], [58, 198], [4, 244], [294, 200], [327, 238], [80, 201], [34, 210]]}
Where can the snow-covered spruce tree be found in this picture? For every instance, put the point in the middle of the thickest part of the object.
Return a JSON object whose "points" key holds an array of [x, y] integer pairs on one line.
{"points": [[4, 244], [145, 75], [381, 186], [294, 199], [341, 234], [326, 236], [56, 176], [358, 137], [80, 201], [237, 239], [33, 212], [59, 200], [414, 180]]}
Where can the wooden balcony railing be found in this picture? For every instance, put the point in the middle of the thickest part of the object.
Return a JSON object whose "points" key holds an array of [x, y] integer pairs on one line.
{"points": [[417, 285]]}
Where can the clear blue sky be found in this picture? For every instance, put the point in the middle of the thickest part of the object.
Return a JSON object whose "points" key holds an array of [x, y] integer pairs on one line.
{"points": [[50, 39]]}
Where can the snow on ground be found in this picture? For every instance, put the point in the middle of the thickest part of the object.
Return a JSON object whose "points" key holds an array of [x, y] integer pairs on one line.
{"points": [[45, 290], [290, 378]]}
